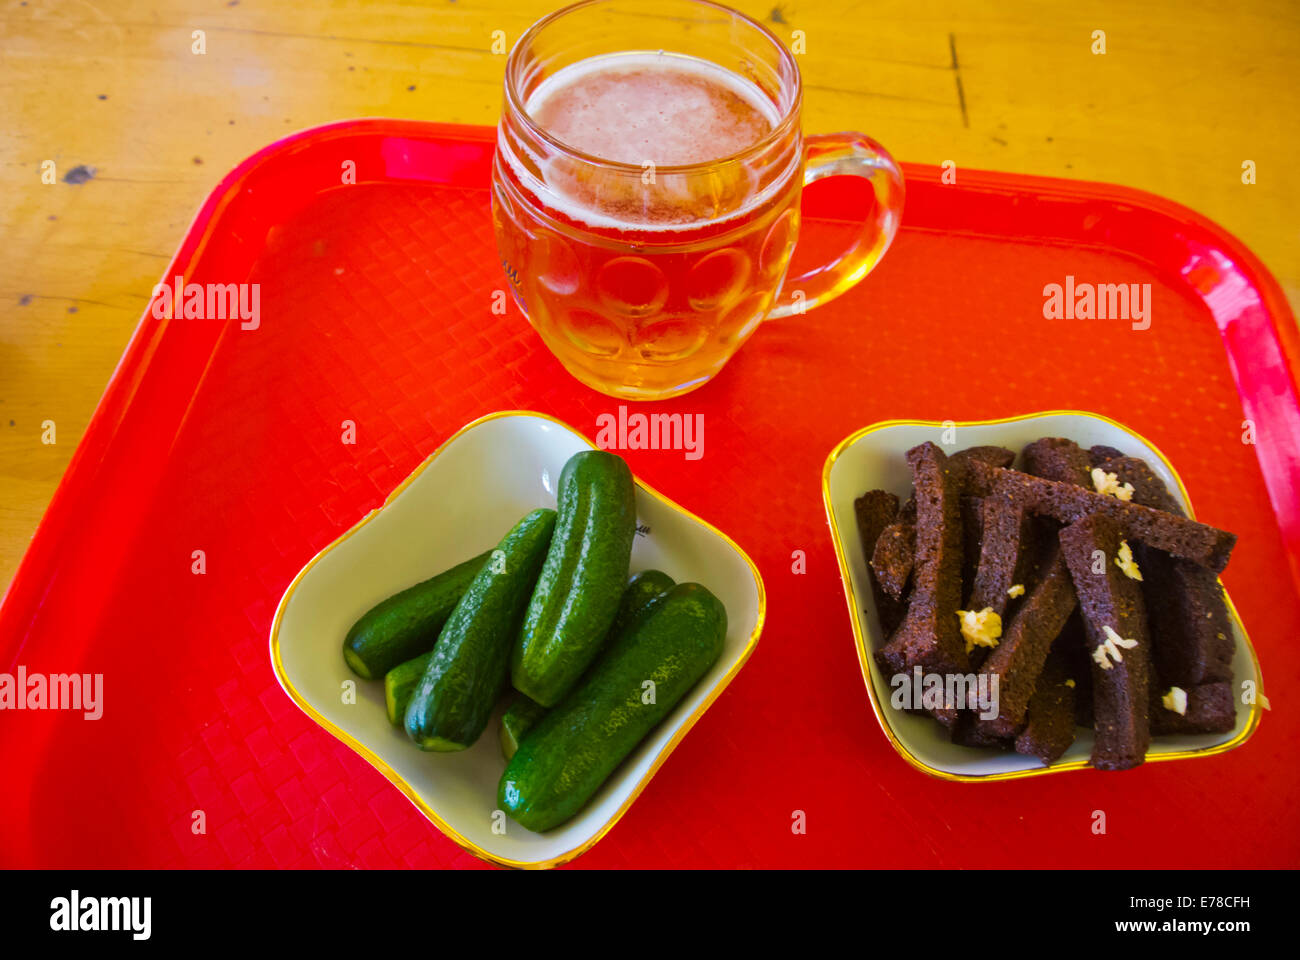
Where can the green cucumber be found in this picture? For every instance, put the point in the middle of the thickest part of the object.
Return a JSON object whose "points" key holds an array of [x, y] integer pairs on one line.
{"points": [[407, 623], [524, 712], [400, 683], [576, 746], [641, 589], [578, 592], [467, 672], [521, 717]]}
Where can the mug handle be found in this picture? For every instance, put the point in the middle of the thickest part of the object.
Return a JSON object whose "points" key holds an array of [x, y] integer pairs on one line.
{"points": [[839, 155]]}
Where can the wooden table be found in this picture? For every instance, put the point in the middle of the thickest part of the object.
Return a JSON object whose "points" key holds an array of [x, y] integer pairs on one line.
{"points": [[1184, 95]]}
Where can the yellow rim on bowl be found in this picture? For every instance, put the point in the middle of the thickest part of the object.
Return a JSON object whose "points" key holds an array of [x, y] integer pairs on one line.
{"points": [[395, 778], [860, 633]]}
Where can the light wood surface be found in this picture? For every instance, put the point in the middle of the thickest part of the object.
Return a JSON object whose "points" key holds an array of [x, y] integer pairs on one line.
{"points": [[1184, 94]]}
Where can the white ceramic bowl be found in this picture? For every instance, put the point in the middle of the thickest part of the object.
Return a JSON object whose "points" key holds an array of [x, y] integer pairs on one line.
{"points": [[459, 502], [873, 458]]}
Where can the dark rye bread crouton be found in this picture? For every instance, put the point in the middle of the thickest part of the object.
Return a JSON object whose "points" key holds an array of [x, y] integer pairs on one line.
{"points": [[968, 733], [1102, 452], [1148, 489], [970, 505], [1073, 647], [1006, 557], [1202, 544], [1049, 719], [973, 465], [1055, 458], [1193, 641], [1210, 709], [1112, 608], [972, 519], [874, 511], [895, 551], [993, 456], [1018, 659], [972, 531], [1191, 633], [929, 637], [1004, 554], [894, 554]]}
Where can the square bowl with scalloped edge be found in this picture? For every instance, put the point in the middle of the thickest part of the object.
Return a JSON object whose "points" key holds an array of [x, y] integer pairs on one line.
{"points": [[874, 458], [456, 504]]}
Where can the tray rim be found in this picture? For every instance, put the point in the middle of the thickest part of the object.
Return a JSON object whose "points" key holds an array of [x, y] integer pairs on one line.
{"points": [[37, 567], [395, 778], [860, 638]]}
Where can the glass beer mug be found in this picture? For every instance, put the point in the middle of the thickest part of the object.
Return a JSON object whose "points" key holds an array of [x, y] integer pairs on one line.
{"points": [[646, 186]]}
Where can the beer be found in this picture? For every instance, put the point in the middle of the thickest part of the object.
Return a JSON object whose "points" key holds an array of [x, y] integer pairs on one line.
{"points": [[646, 186]]}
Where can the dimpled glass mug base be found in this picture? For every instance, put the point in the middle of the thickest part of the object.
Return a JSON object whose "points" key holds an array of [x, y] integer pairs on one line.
{"points": [[644, 279], [619, 333]]}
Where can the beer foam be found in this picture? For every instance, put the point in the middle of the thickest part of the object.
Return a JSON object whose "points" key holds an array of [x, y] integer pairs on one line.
{"points": [[645, 108], [665, 108]]}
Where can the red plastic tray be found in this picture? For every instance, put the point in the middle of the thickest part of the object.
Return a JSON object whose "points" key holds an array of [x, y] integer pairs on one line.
{"points": [[376, 308]]}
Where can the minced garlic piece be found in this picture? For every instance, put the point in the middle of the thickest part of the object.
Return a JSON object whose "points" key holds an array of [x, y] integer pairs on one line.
{"points": [[1175, 700], [1069, 683], [981, 628], [1016, 590], [1112, 636], [1109, 649], [1108, 484], [1124, 560]]}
